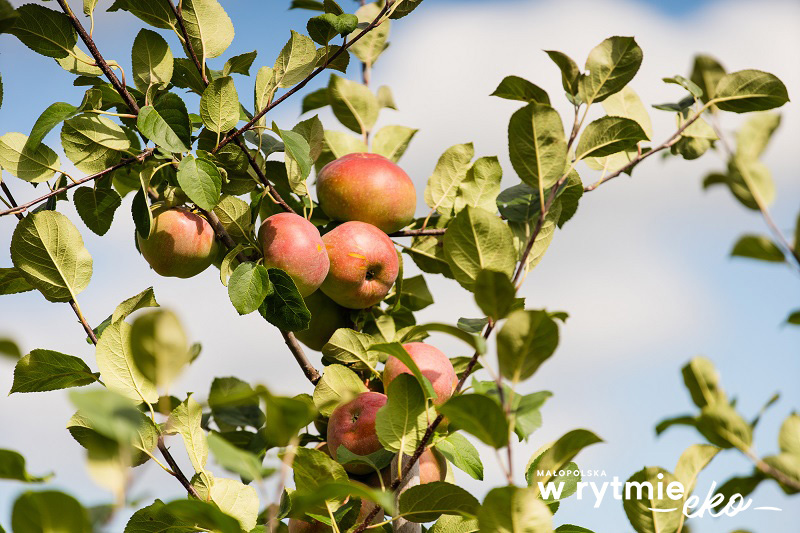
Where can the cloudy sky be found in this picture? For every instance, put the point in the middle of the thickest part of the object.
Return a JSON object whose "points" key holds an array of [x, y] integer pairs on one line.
{"points": [[643, 269]]}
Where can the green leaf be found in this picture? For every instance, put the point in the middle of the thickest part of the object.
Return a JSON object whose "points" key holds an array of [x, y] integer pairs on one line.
{"points": [[647, 512], [153, 12], [706, 73], [80, 63], [476, 342], [247, 287], [186, 76], [371, 45], [609, 135], [9, 348], [758, 247], [694, 459], [724, 427], [611, 65], [689, 85], [12, 282], [789, 435], [209, 27], [201, 180], [159, 346], [570, 73], [750, 182], [314, 469], [142, 216], [12, 466], [402, 422], [338, 385], [480, 416], [93, 142], [391, 141], [494, 293], [30, 164], [237, 500], [284, 307], [425, 503], [146, 298], [96, 207], [557, 456], [627, 104], [219, 105], [186, 420], [514, 510], [49, 511], [527, 417], [44, 31], [49, 119], [527, 339], [449, 523], [702, 381], [48, 251], [477, 240], [536, 145], [236, 460], [234, 404], [794, 318], [8, 16], [234, 215], [166, 123], [152, 61], [749, 90], [754, 135], [443, 187], [46, 370], [353, 104], [287, 416], [296, 61], [460, 451], [206, 515], [314, 100], [351, 348], [117, 369], [481, 185], [519, 203], [298, 160], [516, 88], [569, 197], [239, 64]]}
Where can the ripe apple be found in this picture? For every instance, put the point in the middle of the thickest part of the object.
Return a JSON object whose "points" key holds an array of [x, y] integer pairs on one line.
{"points": [[432, 467], [364, 265], [352, 425], [368, 188], [326, 317], [181, 244], [292, 243], [433, 364]]}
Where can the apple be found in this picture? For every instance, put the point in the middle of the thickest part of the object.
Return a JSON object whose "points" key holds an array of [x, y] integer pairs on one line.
{"points": [[368, 188], [181, 243], [326, 317], [352, 425], [292, 243], [364, 265], [432, 363], [432, 467]]}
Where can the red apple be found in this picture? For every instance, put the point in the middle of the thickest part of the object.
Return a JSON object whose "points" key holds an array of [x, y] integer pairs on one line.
{"points": [[364, 265], [368, 188], [352, 425], [326, 317], [432, 466], [433, 364], [181, 243], [292, 243]]}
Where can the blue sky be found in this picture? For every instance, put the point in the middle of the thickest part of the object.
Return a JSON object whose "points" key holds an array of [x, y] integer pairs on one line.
{"points": [[642, 269]]}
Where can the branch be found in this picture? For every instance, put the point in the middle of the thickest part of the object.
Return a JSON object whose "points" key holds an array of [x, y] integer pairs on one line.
{"points": [[372, 25], [418, 232], [768, 470], [176, 470], [297, 351], [10, 198], [86, 327], [24, 207], [101, 63], [178, 11]]}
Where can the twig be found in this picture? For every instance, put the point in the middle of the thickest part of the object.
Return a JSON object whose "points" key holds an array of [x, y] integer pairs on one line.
{"points": [[418, 232], [179, 16], [176, 470], [24, 207], [768, 470], [86, 327], [101, 62], [222, 233], [376, 22], [297, 351], [273, 192], [10, 198]]}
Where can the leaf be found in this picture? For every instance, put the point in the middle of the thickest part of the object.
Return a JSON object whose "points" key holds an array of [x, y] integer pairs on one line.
{"points": [[353, 104], [237, 500], [754, 135], [476, 342], [724, 427], [609, 135], [159, 346], [12, 466], [494, 293], [351, 348], [313, 469], [45, 31], [46, 370], [793, 318], [12, 281], [153, 12], [314, 100], [166, 123], [49, 119], [444, 184], [758, 247], [527, 417], [146, 298], [93, 142], [514, 510], [8, 15], [296, 60], [152, 61], [201, 180], [209, 27], [454, 524], [96, 207], [248, 286], [694, 459], [536, 145], [789, 435], [689, 85], [219, 105], [49, 510], [80, 64], [460, 451], [516, 88], [527, 339], [234, 215], [557, 456], [425, 503], [397, 350], [749, 90], [9, 348], [48, 252], [477, 240], [371, 45], [611, 65], [30, 164], [706, 73], [627, 104], [570, 73], [702, 381], [647, 512], [402, 422], [480, 416], [284, 307], [392, 141], [239, 64], [298, 160], [568, 197], [206, 515], [142, 216], [236, 460], [186, 420], [481, 185], [117, 368], [338, 385], [750, 182], [234, 404], [287, 416]]}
